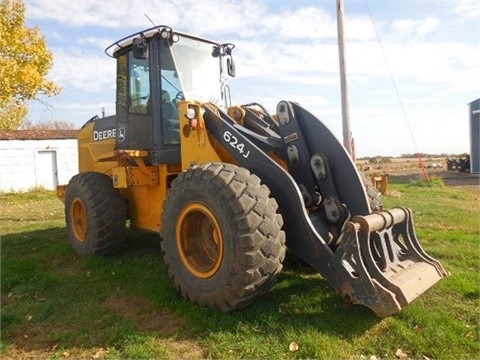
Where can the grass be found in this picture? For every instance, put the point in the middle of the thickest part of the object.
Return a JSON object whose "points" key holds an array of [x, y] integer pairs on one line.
{"points": [[433, 181], [56, 305]]}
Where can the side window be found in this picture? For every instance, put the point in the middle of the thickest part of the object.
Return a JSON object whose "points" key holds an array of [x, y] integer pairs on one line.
{"points": [[139, 89]]}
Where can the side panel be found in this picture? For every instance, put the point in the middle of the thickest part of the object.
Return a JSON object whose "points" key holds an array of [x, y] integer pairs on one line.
{"points": [[145, 189], [197, 147], [145, 205], [96, 143]]}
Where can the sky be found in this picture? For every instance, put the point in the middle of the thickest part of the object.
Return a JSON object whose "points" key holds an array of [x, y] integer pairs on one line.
{"points": [[412, 65]]}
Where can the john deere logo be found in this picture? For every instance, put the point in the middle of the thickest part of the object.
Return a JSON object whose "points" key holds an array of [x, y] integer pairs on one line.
{"points": [[104, 135], [121, 134]]}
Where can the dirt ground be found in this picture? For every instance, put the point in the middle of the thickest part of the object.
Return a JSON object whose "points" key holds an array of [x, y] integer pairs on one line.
{"points": [[407, 170], [450, 178], [456, 178]]}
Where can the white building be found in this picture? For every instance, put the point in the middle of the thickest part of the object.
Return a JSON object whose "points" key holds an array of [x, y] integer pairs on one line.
{"points": [[37, 159]]}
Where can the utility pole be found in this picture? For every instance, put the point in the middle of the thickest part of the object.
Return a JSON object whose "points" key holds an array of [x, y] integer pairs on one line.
{"points": [[347, 134]]}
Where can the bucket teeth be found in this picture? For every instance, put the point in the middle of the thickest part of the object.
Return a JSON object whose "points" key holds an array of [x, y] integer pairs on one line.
{"points": [[381, 263]]}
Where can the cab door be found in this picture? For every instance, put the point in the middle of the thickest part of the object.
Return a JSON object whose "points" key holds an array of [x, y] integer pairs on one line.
{"points": [[147, 118], [134, 105]]}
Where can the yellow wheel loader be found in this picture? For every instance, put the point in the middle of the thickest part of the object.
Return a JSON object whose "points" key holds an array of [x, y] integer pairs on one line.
{"points": [[229, 188]]}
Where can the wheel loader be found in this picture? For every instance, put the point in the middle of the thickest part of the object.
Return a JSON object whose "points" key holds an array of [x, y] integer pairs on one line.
{"points": [[230, 187]]}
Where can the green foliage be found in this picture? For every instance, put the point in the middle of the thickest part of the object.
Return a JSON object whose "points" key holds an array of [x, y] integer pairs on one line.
{"points": [[425, 155], [58, 305], [378, 160], [24, 63], [432, 181]]}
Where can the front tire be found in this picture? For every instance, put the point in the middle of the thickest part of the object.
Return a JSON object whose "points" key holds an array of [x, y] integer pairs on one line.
{"points": [[222, 236], [95, 214]]}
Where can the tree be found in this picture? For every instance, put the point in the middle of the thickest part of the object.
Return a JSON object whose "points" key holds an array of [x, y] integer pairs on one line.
{"points": [[24, 63], [47, 125]]}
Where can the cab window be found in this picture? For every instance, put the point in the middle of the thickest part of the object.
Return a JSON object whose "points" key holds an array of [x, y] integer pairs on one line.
{"points": [[139, 89]]}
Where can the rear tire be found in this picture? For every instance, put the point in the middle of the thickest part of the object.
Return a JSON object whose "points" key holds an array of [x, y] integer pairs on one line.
{"points": [[222, 236], [372, 193], [95, 214]]}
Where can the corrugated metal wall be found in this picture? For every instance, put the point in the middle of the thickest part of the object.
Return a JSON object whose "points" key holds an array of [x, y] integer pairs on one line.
{"points": [[474, 111]]}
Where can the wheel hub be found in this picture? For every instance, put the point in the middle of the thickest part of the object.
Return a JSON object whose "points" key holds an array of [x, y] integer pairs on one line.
{"points": [[199, 240], [79, 219]]}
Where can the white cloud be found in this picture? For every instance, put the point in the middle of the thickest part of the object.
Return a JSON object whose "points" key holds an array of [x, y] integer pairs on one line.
{"points": [[242, 18], [86, 111], [131, 14], [303, 23], [443, 66], [416, 27], [107, 14], [360, 28], [428, 25], [61, 108], [287, 50], [435, 63], [80, 13], [82, 71], [97, 42], [404, 25], [466, 9]]}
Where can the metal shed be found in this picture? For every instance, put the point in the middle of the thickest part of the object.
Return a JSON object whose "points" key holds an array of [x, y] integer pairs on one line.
{"points": [[474, 113], [37, 158]]}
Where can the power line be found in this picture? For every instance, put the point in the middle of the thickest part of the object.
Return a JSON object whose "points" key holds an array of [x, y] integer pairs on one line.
{"points": [[405, 118]]}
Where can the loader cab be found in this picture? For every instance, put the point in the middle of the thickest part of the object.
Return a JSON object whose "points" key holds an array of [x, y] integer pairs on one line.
{"points": [[156, 69]]}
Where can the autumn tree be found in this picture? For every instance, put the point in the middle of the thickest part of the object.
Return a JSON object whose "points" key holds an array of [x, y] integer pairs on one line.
{"points": [[24, 63], [47, 125]]}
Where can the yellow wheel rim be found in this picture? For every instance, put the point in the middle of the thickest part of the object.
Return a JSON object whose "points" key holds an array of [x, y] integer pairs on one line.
{"points": [[199, 240], [78, 219]]}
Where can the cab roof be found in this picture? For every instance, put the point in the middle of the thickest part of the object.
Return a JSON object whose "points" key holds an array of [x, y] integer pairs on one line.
{"points": [[125, 42]]}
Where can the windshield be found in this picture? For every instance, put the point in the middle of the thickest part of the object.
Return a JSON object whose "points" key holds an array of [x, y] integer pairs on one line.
{"points": [[197, 70]]}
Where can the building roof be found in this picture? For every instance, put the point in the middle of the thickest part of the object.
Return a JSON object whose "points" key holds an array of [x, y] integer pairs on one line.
{"points": [[37, 134]]}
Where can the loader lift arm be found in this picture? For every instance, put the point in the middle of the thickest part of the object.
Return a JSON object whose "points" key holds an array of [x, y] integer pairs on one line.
{"points": [[377, 260]]}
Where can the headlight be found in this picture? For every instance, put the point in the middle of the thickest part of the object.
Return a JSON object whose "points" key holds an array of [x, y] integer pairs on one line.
{"points": [[190, 113]]}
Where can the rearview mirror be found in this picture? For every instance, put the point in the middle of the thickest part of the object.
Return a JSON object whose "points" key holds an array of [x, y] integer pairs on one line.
{"points": [[140, 48], [231, 66]]}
